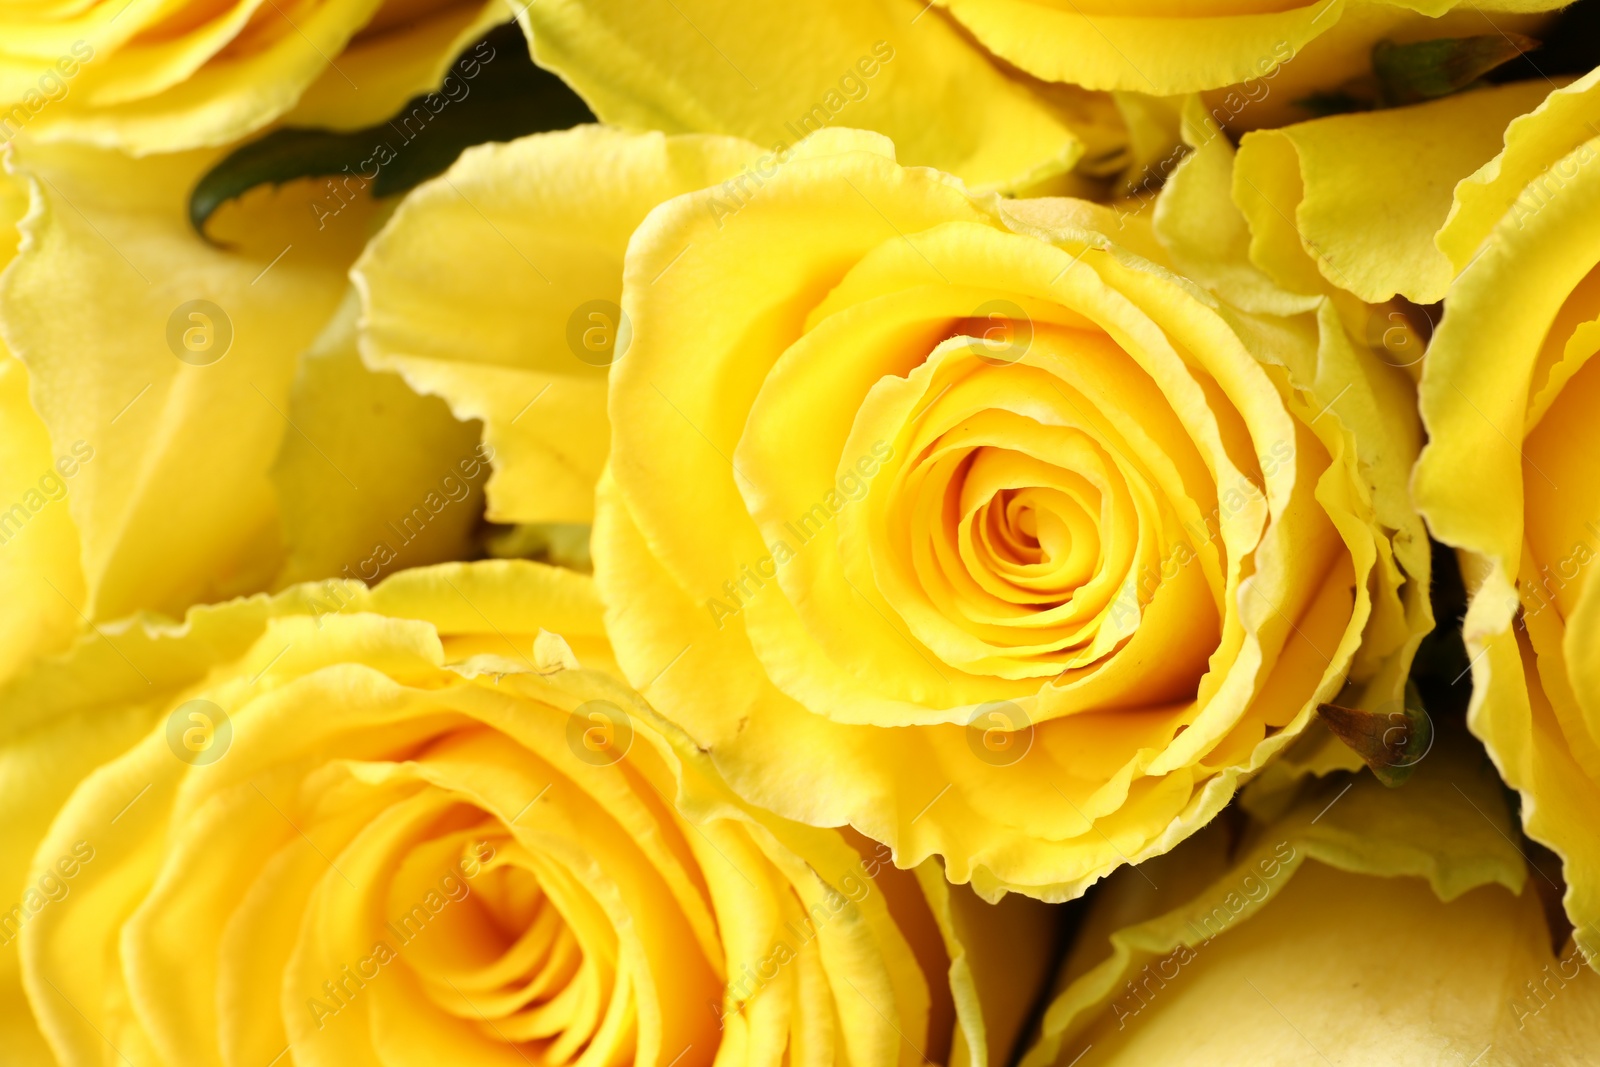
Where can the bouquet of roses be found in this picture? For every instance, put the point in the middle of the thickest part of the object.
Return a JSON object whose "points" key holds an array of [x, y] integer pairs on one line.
{"points": [[990, 533]]}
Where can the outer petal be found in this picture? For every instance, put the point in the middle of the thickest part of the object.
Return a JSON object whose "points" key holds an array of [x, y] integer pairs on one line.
{"points": [[1000, 956], [40, 580], [177, 505], [1438, 175], [1517, 181], [1367, 192], [885, 65], [488, 281], [1204, 232], [1508, 393]]}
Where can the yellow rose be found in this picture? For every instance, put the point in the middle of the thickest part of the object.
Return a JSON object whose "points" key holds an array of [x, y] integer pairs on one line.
{"points": [[774, 76], [148, 385], [1506, 478], [1264, 48], [343, 826], [152, 77], [1363, 926], [949, 518]]}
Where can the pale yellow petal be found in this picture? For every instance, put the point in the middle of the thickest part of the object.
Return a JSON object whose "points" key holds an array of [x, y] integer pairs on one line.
{"points": [[40, 579], [1357, 199], [775, 76], [177, 505], [373, 478], [496, 287]]}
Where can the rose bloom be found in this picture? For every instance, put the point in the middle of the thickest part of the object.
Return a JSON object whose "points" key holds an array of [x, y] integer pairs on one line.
{"points": [[342, 826], [951, 519], [151, 77], [1509, 392], [1363, 925]]}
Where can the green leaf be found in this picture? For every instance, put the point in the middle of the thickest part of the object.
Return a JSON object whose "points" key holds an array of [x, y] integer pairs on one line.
{"points": [[504, 98], [1427, 70], [1392, 741]]}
